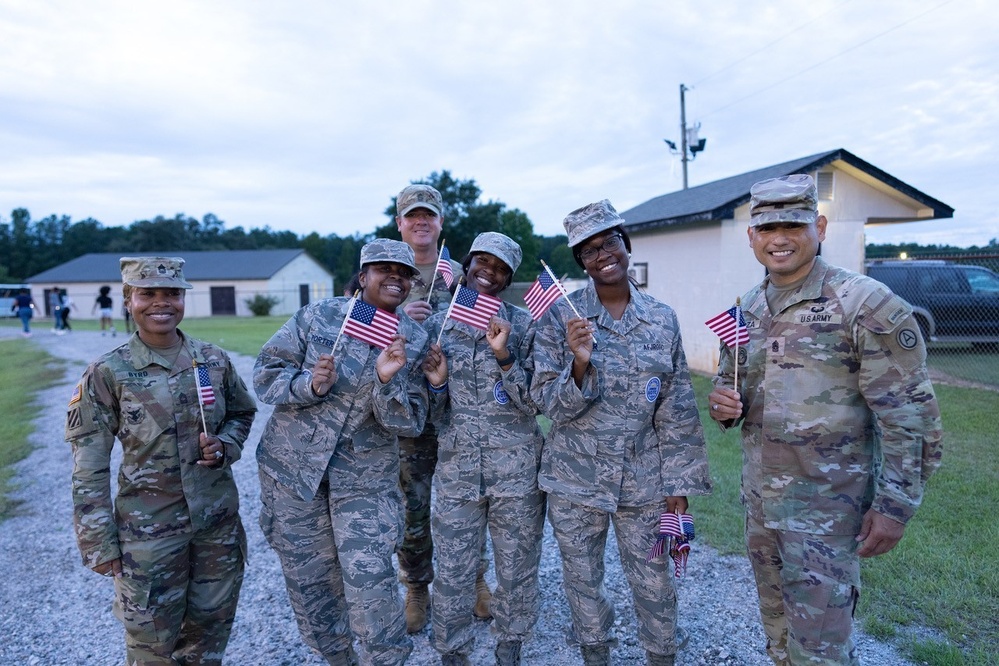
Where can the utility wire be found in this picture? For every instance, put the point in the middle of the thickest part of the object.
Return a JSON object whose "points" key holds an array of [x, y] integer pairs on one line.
{"points": [[768, 45], [822, 62]]}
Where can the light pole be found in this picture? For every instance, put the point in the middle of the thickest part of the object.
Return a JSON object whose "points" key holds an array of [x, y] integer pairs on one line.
{"points": [[689, 141]]}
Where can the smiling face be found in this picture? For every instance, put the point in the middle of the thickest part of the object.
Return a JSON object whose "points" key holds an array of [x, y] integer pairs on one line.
{"points": [[385, 285], [605, 257], [420, 228], [157, 311], [787, 249], [487, 274]]}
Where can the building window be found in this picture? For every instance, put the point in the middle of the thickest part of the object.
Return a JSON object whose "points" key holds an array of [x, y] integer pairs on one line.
{"points": [[824, 184], [639, 271]]}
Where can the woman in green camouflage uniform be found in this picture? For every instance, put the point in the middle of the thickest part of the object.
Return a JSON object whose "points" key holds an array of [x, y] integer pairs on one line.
{"points": [[172, 540]]}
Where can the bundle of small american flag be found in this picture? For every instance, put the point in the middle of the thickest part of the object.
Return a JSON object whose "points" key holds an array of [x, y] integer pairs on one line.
{"points": [[676, 531]]}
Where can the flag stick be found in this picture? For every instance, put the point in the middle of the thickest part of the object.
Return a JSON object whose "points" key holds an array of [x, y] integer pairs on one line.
{"points": [[201, 404], [440, 254], [350, 308], [560, 288], [738, 318], [454, 297]]}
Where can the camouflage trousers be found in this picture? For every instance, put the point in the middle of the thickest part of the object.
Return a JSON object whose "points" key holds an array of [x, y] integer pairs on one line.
{"points": [[336, 555], [417, 460], [809, 585], [515, 525], [581, 532], [177, 595]]}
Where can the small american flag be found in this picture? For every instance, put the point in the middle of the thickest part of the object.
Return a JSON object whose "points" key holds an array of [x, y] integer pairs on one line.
{"points": [[473, 308], [541, 295], [369, 324], [730, 326], [206, 394], [444, 267]]}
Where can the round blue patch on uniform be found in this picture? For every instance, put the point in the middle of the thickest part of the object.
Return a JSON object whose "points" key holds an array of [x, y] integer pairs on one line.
{"points": [[652, 389], [500, 394]]}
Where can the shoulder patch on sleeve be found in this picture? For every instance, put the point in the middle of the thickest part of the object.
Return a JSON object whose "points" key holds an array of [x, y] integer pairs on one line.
{"points": [[77, 392], [884, 312]]}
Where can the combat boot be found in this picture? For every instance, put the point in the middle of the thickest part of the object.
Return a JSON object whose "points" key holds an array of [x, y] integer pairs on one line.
{"points": [[455, 659], [482, 599], [660, 659], [508, 653], [595, 655], [417, 599]]}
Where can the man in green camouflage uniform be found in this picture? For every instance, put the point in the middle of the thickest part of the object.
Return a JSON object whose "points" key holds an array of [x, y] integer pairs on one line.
{"points": [[626, 442], [489, 449], [173, 539], [419, 216], [840, 426], [329, 462]]}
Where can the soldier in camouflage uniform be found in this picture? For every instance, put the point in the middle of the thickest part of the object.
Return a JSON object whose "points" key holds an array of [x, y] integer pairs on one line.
{"points": [[626, 442], [420, 211], [840, 426], [173, 539], [329, 462], [489, 449]]}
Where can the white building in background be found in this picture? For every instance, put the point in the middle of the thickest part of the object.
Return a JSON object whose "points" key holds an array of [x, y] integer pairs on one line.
{"points": [[223, 280], [690, 249]]}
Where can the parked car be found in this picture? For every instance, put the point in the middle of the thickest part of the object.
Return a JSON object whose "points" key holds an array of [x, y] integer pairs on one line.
{"points": [[951, 302]]}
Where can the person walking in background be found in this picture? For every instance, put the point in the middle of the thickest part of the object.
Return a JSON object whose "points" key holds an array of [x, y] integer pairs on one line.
{"points": [[489, 450], [24, 307], [419, 217], [55, 308], [104, 303], [840, 426], [66, 305], [329, 457], [127, 317], [172, 539], [626, 442]]}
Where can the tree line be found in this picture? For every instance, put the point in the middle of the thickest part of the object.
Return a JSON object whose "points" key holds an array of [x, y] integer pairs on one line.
{"points": [[28, 247]]}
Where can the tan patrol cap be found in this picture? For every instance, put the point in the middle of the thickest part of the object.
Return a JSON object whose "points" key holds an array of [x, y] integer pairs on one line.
{"points": [[419, 196], [786, 199], [164, 272]]}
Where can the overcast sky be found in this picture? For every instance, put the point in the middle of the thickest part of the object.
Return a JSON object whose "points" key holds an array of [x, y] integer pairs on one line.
{"points": [[309, 116]]}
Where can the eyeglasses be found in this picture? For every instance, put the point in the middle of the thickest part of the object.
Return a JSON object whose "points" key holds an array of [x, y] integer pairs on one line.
{"points": [[610, 244]]}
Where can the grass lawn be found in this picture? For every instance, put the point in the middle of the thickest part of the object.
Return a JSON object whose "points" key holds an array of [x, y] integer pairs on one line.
{"points": [[945, 572], [24, 371]]}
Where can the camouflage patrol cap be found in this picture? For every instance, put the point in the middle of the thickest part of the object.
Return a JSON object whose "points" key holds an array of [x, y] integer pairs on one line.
{"points": [[419, 196], [590, 220], [786, 199], [164, 272], [386, 250], [500, 246]]}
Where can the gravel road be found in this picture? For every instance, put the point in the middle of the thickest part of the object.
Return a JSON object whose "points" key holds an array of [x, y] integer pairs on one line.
{"points": [[56, 612]]}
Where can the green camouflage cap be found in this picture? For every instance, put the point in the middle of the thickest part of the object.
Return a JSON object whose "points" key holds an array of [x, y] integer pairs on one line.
{"points": [[165, 272], [419, 196], [502, 247], [786, 199], [590, 220], [386, 250]]}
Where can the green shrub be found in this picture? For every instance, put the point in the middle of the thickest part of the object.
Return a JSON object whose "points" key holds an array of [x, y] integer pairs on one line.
{"points": [[261, 305]]}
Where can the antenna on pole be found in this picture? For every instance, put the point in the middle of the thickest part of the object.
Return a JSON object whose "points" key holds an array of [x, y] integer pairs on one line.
{"points": [[689, 141]]}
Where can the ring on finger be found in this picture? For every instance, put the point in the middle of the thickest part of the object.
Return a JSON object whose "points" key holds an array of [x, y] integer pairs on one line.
{"points": [[218, 454]]}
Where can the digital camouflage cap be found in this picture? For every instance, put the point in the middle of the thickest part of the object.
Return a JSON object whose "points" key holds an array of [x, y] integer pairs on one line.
{"points": [[386, 250], [419, 196], [786, 199], [163, 272], [590, 220], [500, 246]]}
